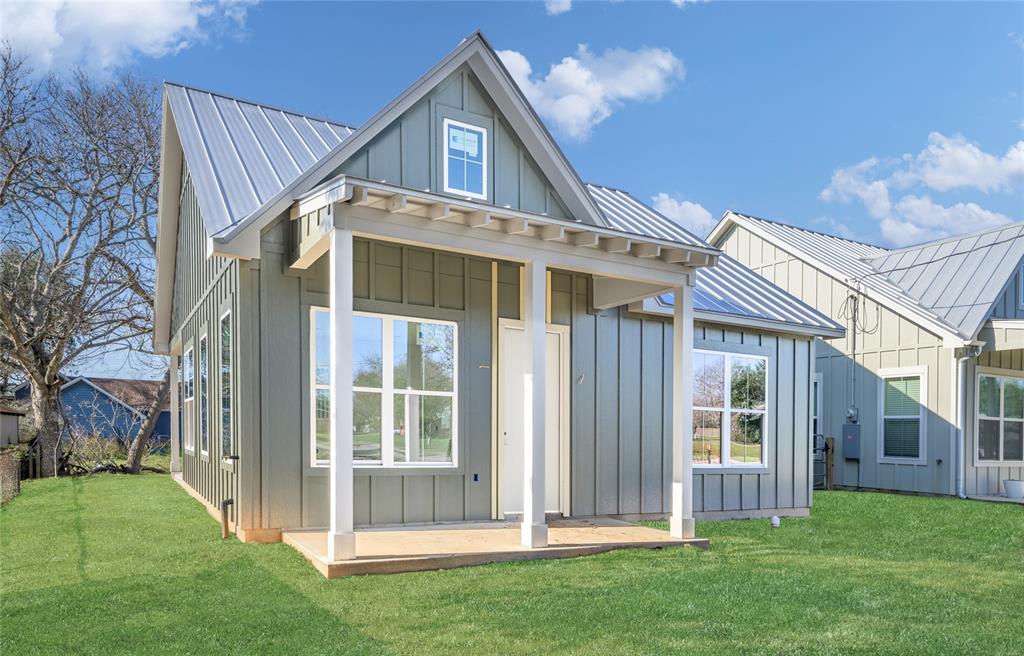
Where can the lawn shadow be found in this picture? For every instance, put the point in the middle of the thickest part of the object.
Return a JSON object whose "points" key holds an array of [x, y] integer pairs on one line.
{"points": [[237, 607]]}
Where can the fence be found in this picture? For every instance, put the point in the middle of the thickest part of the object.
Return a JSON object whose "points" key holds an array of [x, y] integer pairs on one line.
{"points": [[824, 448]]}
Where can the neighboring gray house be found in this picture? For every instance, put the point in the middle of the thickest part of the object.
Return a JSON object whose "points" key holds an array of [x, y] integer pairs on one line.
{"points": [[938, 346], [441, 282]]}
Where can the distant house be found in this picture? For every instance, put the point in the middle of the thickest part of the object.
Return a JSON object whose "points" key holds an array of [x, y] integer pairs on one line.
{"points": [[108, 407], [932, 363], [9, 417]]}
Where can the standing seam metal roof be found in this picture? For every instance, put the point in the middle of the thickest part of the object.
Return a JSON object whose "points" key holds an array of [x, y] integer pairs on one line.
{"points": [[240, 154], [949, 285]]}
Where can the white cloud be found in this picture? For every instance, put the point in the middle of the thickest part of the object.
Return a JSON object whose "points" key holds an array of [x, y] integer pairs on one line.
{"points": [[683, 4], [582, 90], [945, 164], [953, 162], [690, 215], [555, 7], [103, 35]]}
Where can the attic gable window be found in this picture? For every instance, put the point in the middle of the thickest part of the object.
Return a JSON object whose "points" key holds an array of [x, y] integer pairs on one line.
{"points": [[465, 159]]}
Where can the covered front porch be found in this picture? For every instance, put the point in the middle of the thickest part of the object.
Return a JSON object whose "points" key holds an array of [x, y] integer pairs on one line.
{"points": [[624, 268]]}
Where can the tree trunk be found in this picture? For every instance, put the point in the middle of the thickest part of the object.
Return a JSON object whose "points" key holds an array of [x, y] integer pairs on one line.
{"points": [[140, 445], [46, 421]]}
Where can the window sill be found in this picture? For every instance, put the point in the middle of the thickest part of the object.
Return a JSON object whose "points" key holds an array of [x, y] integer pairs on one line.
{"points": [[730, 469], [902, 461], [380, 470], [996, 464]]}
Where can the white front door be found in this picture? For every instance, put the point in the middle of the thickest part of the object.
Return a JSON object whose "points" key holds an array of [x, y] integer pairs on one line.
{"points": [[510, 419]]}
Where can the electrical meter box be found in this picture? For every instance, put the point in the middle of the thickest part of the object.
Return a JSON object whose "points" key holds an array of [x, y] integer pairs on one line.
{"points": [[851, 441]]}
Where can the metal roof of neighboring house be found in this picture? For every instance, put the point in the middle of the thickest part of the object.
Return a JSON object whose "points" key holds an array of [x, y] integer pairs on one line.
{"points": [[948, 286], [959, 278], [623, 212], [241, 154]]}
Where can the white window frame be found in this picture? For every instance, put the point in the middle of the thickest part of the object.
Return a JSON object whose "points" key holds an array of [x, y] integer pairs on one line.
{"points": [[204, 393], [817, 406], [188, 399], [727, 412], [922, 415], [226, 315], [387, 392], [444, 157], [999, 373]]}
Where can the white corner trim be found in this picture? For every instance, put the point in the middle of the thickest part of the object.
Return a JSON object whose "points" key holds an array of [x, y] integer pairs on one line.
{"points": [[897, 372]]}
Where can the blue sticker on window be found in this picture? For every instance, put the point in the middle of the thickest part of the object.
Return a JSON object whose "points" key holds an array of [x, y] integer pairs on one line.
{"points": [[466, 160]]}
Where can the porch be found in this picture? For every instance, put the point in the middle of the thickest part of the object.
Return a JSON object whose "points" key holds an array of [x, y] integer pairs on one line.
{"points": [[624, 267], [423, 548]]}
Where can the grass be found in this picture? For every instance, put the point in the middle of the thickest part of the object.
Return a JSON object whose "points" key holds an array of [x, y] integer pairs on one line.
{"points": [[117, 564]]}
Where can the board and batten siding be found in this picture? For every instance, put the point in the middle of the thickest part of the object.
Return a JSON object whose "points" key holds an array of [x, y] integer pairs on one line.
{"points": [[1008, 306], [983, 479], [9, 433], [204, 289], [887, 341], [388, 279], [409, 152]]}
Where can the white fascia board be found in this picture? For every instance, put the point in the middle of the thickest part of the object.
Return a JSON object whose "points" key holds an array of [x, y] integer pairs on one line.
{"points": [[335, 189], [947, 334], [482, 242], [169, 198]]}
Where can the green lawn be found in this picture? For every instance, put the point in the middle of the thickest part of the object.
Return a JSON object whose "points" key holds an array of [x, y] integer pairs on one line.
{"points": [[117, 564]]}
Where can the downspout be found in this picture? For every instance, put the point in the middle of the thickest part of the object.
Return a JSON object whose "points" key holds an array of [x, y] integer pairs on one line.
{"points": [[970, 351]]}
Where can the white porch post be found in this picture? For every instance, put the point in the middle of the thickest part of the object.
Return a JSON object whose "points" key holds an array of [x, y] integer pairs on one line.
{"points": [[681, 525], [175, 416], [534, 528], [341, 539]]}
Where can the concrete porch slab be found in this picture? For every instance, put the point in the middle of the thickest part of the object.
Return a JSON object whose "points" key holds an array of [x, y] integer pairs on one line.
{"points": [[415, 549]]}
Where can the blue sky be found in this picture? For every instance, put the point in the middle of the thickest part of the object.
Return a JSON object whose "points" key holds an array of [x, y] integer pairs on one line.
{"points": [[891, 123]]}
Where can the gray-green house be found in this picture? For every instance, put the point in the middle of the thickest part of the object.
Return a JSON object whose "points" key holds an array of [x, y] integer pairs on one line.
{"points": [[933, 358], [430, 318]]}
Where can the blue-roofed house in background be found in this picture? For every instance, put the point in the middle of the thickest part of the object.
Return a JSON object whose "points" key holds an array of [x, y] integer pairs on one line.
{"points": [[408, 276], [108, 408]]}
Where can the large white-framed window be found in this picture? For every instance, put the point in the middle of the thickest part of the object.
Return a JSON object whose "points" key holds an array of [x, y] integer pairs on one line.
{"points": [[903, 400], [729, 409], [465, 159], [999, 420], [226, 420], [204, 396], [404, 390], [188, 402]]}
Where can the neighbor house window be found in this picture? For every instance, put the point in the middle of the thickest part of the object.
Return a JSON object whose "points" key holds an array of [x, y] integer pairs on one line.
{"points": [[204, 408], [188, 388], [226, 446], [729, 407], [903, 404], [1000, 427], [404, 400], [465, 159]]}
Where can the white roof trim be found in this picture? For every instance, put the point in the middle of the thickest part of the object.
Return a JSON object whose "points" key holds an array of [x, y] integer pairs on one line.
{"points": [[169, 197], [242, 239], [651, 306]]}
